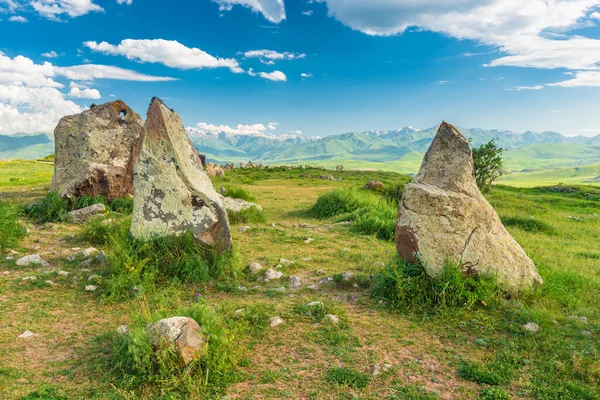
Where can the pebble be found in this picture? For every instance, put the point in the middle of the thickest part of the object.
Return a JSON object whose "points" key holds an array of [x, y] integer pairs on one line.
{"points": [[63, 273], [311, 287], [320, 272], [309, 240], [271, 274], [26, 334], [586, 333], [531, 327], [346, 276], [315, 304], [94, 278], [325, 280], [279, 289], [242, 288], [244, 229], [379, 264], [29, 278], [307, 259], [91, 288], [122, 330], [90, 251], [285, 262], [275, 321], [238, 312], [31, 259], [334, 319], [255, 268], [6, 272], [295, 282], [378, 369], [49, 282]]}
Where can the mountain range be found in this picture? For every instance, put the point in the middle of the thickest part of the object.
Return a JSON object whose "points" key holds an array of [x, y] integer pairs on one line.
{"points": [[398, 150]]}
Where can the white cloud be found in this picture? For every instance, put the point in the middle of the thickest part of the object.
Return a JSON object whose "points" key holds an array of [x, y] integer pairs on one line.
{"points": [[272, 125], [307, 13], [84, 93], [595, 15], [269, 56], [305, 75], [89, 72], [18, 18], [51, 54], [525, 30], [168, 52], [521, 88], [53, 9], [128, 2], [23, 71], [581, 78], [272, 10], [276, 76], [204, 128], [11, 6]]}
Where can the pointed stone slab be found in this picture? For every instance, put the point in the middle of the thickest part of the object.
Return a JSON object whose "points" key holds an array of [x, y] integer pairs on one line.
{"points": [[172, 192], [444, 217], [96, 151]]}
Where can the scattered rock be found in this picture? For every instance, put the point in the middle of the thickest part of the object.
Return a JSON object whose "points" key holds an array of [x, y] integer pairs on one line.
{"points": [[83, 215], [278, 289], [378, 369], [581, 319], [295, 282], [531, 327], [101, 257], [91, 288], [379, 264], [312, 287], [33, 259], [29, 278], [25, 335], [237, 205], [271, 274], [339, 168], [347, 276], [6, 273], [315, 304], [278, 266], [346, 298], [307, 259], [182, 333], [96, 151], [172, 192], [242, 288], [94, 278], [309, 240], [214, 170], [275, 321], [320, 272], [585, 332], [374, 185], [89, 251], [255, 268], [238, 312], [63, 273], [272, 225], [334, 319], [122, 330], [285, 262], [49, 282], [444, 217], [245, 229]]}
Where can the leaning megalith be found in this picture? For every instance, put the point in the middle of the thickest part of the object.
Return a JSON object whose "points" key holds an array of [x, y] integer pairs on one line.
{"points": [[173, 194], [96, 151], [444, 217]]}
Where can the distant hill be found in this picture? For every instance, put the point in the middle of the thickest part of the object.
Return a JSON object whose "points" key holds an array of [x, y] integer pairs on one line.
{"points": [[396, 150], [26, 146]]}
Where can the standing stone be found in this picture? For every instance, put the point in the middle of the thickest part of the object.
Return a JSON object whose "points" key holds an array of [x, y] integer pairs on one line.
{"points": [[96, 151], [172, 192], [444, 217], [339, 168]]}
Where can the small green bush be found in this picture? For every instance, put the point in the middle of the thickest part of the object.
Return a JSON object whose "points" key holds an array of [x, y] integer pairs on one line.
{"points": [[123, 205], [393, 194], [238, 192], [529, 225], [348, 376], [46, 392], [473, 372], [86, 201], [341, 201], [11, 231], [247, 216], [135, 363], [494, 393], [51, 208], [405, 286]]}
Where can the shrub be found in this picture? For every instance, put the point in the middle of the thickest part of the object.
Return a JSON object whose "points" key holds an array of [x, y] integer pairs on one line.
{"points": [[393, 194], [494, 393], [487, 160], [123, 205], [238, 192], [86, 201], [51, 208], [473, 372], [348, 376], [405, 286], [11, 231], [135, 363], [46, 392], [341, 201], [247, 216]]}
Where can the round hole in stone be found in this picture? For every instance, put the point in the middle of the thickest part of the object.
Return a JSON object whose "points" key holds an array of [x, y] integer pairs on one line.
{"points": [[123, 113]]}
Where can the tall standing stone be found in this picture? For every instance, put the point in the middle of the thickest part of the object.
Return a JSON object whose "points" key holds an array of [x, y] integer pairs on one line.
{"points": [[444, 217], [96, 151], [172, 192]]}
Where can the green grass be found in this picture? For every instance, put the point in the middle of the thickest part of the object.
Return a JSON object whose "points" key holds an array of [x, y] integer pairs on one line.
{"points": [[348, 376], [247, 216], [19, 173], [11, 230], [237, 192]]}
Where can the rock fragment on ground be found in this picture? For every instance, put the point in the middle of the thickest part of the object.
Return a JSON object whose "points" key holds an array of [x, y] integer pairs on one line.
{"points": [[32, 259], [271, 274], [295, 282], [275, 321], [182, 333], [255, 268], [83, 215]]}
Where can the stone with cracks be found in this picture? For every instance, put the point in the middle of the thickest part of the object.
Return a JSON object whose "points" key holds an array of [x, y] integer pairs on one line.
{"points": [[172, 192], [83, 215], [443, 217], [96, 151], [182, 333]]}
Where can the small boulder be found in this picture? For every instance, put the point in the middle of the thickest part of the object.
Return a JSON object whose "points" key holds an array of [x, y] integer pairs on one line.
{"points": [[531, 327], [309, 240], [83, 215], [283, 261], [295, 282], [275, 321], [91, 288], [237, 205], [244, 229], [89, 251], [255, 268], [374, 185], [122, 330], [334, 319], [378, 369], [315, 304], [182, 333], [26, 334], [271, 274], [33, 259]]}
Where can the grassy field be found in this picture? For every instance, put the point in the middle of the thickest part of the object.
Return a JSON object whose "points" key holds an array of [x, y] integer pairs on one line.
{"points": [[479, 352]]}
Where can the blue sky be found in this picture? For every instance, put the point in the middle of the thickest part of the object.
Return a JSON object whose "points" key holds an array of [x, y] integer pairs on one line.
{"points": [[238, 65]]}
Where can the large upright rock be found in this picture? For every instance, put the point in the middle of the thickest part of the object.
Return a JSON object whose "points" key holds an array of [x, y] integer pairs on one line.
{"points": [[172, 192], [444, 217], [96, 151]]}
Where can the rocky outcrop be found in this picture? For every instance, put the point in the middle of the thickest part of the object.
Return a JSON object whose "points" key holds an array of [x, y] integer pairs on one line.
{"points": [[443, 217], [172, 192], [182, 333], [96, 151]]}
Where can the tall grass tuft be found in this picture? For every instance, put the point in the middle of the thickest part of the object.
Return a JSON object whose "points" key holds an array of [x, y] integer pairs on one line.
{"points": [[11, 231], [247, 216], [51, 208], [408, 287], [238, 192]]}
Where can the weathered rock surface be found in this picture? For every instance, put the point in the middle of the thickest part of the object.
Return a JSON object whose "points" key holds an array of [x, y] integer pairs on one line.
{"points": [[237, 205], [96, 151], [172, 192], [444, 217], [34, 259], [181, 332], [374, 185], [214, 170], [83, 215]]}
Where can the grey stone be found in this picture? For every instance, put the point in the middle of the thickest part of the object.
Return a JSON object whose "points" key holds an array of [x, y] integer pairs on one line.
{"points": [[238, 205], [33, 259], [334, 319], [346, 276], [26, 334], [255, 268], [122, 330], [91, 288], [315, 304], [83, 215], [531, 327], [378, 369], [309, 240], [285, 262], [182, 333], [275, 321], [63, 273], [173, 194], [271, 274], [244, 229], [29, 278], [295, 282], [89, 251]]}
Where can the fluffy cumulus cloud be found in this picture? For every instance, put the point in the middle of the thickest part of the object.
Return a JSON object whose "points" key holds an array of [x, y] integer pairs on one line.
{"points": [[128, 2], [270, 56], [31, 96], [203, 128], [168, 52], [529, 33], [51, 54], [272, 10], [18, 18], [54, 9], [305, 75], [276, 76]]}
